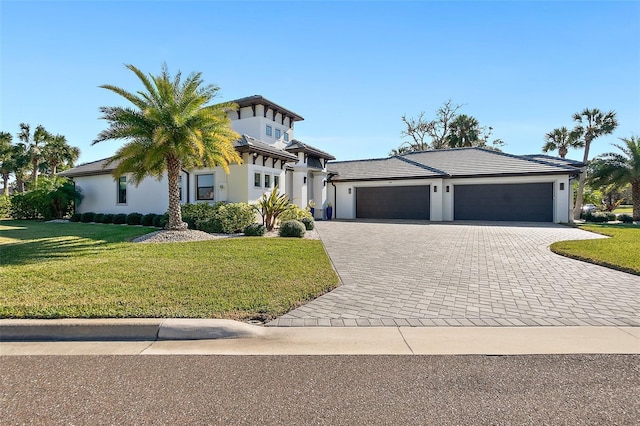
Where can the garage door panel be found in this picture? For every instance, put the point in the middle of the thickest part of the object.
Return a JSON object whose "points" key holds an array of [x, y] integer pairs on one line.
{"points": [[530, 202], [393, 202]]}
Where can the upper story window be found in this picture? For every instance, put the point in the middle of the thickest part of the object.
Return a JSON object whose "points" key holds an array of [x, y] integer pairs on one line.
{"points": [[122, 190], [257, 180], [276, 181], [269, 130], [286, 137], [204, 187], [267, 181], [278, 133]]}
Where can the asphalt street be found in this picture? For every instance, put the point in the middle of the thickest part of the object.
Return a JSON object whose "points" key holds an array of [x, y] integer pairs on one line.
{"points": [[321, 390]]}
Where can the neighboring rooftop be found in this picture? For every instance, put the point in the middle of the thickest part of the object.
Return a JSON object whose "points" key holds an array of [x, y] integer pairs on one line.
{"points": [[457, 162], [260, 100]]}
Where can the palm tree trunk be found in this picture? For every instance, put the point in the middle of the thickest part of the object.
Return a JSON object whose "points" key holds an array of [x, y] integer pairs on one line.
{"points": [[175, 222], [635, 196], [583, 175], [5, 184], [35, 175]]}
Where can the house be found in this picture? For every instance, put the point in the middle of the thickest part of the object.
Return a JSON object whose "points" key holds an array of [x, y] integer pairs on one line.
{"points": [[271, 157], [454, 184]]}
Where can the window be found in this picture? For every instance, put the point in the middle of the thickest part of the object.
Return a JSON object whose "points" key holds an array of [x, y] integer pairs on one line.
{"points": [[276, 181], [267, 181], [204, 187], [269, 130], [286, 137], [278, 133], [257, 178], [180, 186], [122, 190]]}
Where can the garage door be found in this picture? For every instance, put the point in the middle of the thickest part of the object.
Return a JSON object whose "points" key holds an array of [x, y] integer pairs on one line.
{"points": [[393, 202], [530, 202]]}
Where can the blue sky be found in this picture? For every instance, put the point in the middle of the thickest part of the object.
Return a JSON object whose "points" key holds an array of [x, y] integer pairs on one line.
{"points": [[351, 69]]}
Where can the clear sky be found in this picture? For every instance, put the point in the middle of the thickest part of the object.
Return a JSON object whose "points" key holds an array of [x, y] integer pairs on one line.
{"points": [[351, 69]]}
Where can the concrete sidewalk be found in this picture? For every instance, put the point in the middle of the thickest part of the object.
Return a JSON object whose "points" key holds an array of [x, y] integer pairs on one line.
{"points": [[187, 336]]}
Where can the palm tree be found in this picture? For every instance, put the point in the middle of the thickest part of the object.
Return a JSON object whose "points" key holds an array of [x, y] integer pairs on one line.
{"points": [[464, 131], [19, 164], [170, 127], [590, 124], [58, 152], [620, 170], [5, 160], [561, 140], [34, 144]]}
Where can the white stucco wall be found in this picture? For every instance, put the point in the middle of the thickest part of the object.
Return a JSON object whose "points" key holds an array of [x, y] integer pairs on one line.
{"points": [[100, 195], [442, 202]]}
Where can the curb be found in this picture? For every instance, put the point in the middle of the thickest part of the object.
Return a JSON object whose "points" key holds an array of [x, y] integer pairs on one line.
{"points": [[142, 329]]}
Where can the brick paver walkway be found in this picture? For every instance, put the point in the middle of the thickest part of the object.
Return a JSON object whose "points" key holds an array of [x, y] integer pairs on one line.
{"points": [[464, 274]]}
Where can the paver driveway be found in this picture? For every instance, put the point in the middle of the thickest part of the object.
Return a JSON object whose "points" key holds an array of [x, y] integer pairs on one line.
{"points": [[464, 274]]}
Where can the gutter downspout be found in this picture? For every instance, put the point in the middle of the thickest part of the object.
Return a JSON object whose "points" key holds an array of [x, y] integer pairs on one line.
{"points": [[335, 198]]}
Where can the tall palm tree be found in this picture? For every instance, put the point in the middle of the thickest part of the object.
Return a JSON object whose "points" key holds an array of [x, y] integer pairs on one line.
{"points": [[20, 162], [34, 144], [590, 124], [5, 160], [58, 152], [170, 127], [464, 131], [620, 170], [561, 140]]}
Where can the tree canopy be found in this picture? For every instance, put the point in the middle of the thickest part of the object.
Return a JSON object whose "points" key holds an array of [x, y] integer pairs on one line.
{"points": [[170, 126]]}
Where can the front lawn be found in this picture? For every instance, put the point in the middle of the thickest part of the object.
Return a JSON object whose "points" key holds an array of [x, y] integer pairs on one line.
{"points": [[76, 270], [621, 251]]}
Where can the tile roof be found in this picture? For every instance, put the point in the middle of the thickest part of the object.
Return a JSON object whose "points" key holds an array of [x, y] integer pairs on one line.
{"points": [[297, 146], [98, 167], [261, 100], [555, 160], [248, 144], [458, 162]]}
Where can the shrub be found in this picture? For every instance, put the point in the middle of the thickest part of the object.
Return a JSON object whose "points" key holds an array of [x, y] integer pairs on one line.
{"points": [[87, 217], [52, 200], [308, 223], [610, 216], [75, 217], [234, 217], [98, 218], [271, 207], [147, 219], [160, 221], [625, 218], [255, 230], [107, 218], [5, 207], [292, 228], [597, 217], [199, 212], [211, 225], [120, 219], [294, 212], [134, 219]]}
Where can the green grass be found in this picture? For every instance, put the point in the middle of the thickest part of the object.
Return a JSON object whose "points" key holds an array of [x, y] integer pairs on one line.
{"points": [[621, 251], [624, 209], [72, 270]]}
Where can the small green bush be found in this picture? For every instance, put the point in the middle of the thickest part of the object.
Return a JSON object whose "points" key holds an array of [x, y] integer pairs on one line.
{"points": [[625, 218], [610, 216], [235, 217], [75, 217], [134, 219], [308, 223], [211, 225], [5, 207], [597, 217], [160, 221], [87, 217], [292, 228], [107, 218], [198, 212], [255, 230], [147, 219], [53, 199], [120, 218], [294, 212], [98, 218]]}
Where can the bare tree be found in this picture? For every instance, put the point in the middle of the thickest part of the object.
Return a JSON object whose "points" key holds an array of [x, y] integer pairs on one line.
{"points": [[442, 124]]}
